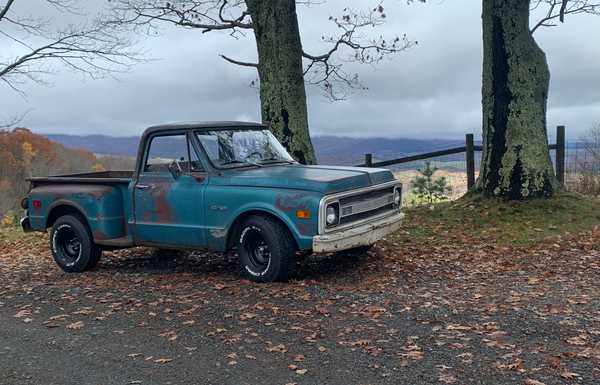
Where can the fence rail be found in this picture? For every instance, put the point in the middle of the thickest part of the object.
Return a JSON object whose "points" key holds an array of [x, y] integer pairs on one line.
{"points": [[469, 149]]}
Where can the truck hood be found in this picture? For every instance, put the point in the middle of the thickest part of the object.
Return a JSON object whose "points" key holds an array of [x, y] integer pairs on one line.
{"points": [[324, 179]]}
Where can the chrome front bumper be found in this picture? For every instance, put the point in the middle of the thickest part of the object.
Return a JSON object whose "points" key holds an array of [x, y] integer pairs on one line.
{"points": [[363, 235]]}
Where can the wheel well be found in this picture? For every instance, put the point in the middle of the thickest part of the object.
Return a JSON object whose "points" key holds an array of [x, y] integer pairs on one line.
{"points": [[61, 210], [234, 228]]}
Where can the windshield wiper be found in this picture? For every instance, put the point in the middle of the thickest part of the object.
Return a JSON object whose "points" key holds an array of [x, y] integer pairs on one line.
{"points": [[276, 160], [235, 161]]}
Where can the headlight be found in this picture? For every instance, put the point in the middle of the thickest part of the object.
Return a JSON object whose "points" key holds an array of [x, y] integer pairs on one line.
{"points": [[397, 197], [332, 214]]}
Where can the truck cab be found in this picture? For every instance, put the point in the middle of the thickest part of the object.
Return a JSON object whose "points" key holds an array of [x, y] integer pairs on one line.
{"points": [[216, 186]]}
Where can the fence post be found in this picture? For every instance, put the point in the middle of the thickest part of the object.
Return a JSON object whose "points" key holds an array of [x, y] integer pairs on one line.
{"points": [[369, 160], [470, 150], [560, 154]]}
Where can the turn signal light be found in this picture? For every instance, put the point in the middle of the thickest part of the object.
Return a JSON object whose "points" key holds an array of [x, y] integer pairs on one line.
{"points": [[303, 214]]}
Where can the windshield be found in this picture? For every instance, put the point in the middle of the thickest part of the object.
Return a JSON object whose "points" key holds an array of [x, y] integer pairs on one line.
{"points": [[235, 148]]}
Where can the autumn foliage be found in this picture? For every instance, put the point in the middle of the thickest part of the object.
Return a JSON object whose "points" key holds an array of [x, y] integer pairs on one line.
{"points": [[24, 154]]}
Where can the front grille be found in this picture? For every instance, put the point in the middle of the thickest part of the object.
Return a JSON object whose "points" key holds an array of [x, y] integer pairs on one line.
{"points": [[366, 214], [363, 206]]}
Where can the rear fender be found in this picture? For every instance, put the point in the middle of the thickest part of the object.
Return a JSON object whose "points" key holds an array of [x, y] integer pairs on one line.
{"points": [[101, 205]]}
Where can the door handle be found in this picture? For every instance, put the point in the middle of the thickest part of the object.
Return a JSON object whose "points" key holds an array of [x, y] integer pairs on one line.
{"points": [[141, 186]]}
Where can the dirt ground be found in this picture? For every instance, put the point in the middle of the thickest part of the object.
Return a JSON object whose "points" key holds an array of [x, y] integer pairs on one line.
{"points": [[408, 312]]}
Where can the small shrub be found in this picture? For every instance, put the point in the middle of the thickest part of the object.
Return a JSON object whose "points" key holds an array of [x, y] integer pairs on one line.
{"points": [[427, 189], [9, 219]]}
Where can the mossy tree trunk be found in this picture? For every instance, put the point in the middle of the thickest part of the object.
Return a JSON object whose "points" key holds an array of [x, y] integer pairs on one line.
{"points": [[282, 92], [516, 159]]}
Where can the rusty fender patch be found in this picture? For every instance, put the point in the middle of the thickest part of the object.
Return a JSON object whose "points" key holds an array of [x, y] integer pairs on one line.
{"points": [[290, 203]]}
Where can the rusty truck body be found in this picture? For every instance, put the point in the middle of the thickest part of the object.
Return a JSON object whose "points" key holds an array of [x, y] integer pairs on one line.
{"points": [[216, 186]]}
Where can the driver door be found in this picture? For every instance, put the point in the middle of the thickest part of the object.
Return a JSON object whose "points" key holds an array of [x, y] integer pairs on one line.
{"points": [[169, 194]]}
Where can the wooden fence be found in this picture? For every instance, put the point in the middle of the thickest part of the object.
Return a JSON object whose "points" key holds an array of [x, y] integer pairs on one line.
{"points": [[469, 149]]}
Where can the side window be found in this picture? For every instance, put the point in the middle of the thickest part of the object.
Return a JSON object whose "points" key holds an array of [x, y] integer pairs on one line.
{"points": [[164, 150]]}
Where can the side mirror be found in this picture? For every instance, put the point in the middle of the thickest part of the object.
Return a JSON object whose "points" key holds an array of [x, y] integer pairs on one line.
{"points": [[175, 169]]}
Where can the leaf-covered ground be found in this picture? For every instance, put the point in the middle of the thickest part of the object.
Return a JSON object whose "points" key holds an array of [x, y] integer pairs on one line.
{"points": [[468, 293]]}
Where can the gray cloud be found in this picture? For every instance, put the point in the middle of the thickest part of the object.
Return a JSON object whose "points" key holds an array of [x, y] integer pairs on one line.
{"points": [[433, 90]]}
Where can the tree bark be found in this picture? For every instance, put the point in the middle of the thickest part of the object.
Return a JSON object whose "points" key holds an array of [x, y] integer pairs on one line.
{"points": [[282, 92], [516, 159]]}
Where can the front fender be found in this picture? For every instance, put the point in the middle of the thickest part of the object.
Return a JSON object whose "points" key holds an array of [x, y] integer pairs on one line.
{"points": [[226, 204]]}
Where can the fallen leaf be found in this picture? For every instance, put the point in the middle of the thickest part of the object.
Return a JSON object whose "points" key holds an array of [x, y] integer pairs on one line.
{"points": [[163, 360], [22, 313], [569, 375], [447, 378], [530, 381], [75, 325], [277, 348], [301, 371]]}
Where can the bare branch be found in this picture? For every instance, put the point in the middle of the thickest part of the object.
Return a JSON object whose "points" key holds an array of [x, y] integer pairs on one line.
{"points": [[5, 8], [96, 50], [14, 120], [240, 63], [563, 8], [206, 15], [325, 71], [558, 9]]}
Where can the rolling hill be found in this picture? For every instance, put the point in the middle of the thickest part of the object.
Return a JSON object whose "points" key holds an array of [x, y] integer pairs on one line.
{"points": [[330, 149]]}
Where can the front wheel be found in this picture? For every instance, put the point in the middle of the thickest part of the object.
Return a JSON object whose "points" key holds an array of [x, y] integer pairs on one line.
{"points": [[266, 250], [72, 245]]}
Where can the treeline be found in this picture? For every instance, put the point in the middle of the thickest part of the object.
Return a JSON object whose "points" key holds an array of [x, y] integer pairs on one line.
{"points": [[24, 154]]}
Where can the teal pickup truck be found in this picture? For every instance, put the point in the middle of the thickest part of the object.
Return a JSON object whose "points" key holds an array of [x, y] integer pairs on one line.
{"points": [[216, 186]]}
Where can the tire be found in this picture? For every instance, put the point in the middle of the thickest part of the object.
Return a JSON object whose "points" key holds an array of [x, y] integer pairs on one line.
{"points": [[266, 250], [72, 245]]}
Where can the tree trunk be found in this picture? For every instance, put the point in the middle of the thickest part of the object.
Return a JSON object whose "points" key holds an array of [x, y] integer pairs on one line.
{"points": [[516, 160], [282, 93]]}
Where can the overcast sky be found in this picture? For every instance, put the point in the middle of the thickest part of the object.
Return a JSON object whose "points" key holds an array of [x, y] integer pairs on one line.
{"points": [[431, 91]]}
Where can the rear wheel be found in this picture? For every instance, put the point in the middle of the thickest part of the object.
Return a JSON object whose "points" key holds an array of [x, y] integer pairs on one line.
{"points": [[72, 245], [266, 250]]}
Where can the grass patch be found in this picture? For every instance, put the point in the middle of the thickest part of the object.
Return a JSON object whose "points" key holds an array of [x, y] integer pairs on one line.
{"points": [[15, 233], [504, 223]]}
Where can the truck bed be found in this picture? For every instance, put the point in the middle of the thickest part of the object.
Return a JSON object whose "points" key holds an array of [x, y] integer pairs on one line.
{"points": [[104, 177]]}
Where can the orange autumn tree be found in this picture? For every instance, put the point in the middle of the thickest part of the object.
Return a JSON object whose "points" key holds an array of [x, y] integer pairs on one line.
{"points": [[24, 154]]}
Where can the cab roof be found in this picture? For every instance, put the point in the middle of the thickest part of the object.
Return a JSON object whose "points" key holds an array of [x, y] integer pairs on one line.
{"points": [[204, 126]]}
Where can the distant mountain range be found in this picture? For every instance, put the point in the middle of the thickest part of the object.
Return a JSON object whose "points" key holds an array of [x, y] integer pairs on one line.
{"points": [[329, 149]]}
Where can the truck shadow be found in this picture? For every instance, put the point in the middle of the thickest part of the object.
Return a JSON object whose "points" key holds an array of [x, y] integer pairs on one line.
{"points": [[337, 266]]}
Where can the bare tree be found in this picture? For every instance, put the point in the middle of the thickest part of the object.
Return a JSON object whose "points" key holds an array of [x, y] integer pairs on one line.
{"points": [[95, 49], [516, 159], [283, 66]]}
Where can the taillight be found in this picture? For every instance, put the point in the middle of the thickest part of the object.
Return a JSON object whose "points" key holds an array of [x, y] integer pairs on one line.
{"points": [[36, 203]]}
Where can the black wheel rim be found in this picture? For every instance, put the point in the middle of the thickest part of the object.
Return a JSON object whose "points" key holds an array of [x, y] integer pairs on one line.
{"points": [[257, 250], [68, 245]]}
